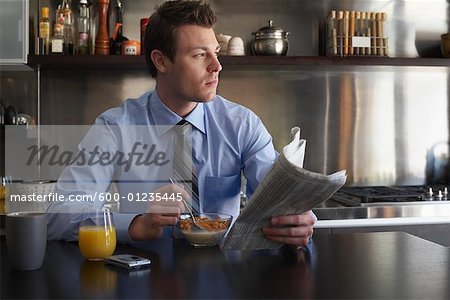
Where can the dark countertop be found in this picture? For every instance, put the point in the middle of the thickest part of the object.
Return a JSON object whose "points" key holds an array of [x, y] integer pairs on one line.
{"points": [[368, 265]]}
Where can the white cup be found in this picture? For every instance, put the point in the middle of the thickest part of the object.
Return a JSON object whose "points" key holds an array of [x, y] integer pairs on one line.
{"points": [[223, 40], [236, 46]]}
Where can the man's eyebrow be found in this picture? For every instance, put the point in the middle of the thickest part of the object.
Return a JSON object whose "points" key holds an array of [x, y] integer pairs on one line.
{"points": [[204, 48]]}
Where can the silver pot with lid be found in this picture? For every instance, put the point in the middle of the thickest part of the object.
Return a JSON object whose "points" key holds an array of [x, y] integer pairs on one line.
{"points": [[270, 40]]}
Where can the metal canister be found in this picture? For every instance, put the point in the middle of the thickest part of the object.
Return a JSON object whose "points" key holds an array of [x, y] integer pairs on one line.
{"points": [[270, 40], [144, 23]]}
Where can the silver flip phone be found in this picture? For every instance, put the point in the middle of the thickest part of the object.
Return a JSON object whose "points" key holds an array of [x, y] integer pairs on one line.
{"points": [[128, 261]]}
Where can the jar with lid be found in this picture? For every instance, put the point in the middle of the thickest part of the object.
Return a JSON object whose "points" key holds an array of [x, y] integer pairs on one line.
{"points": [[270, 40]]}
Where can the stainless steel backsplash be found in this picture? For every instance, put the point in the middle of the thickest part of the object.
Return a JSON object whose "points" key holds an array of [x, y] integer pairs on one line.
{"points": [[377, 123], [384, 125]]}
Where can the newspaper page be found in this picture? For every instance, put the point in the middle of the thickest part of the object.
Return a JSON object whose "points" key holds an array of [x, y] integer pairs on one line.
{"points": [[287, 189]]}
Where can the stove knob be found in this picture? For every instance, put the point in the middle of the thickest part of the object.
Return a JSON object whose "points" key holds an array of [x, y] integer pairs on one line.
{"points": [[439, 196], [428, 195]]}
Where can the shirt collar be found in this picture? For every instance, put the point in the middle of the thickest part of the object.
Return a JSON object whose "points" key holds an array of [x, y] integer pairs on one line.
{"points": [[162, 115]]}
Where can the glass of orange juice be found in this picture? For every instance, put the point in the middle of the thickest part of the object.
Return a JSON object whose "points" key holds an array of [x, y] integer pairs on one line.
{"points": [[97, 235]]}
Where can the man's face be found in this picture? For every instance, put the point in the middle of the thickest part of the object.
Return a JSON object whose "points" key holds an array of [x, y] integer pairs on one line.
{"points": [[194, 73]]}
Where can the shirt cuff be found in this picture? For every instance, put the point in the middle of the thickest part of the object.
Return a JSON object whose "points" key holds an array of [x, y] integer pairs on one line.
{"points": [[122, 223]]}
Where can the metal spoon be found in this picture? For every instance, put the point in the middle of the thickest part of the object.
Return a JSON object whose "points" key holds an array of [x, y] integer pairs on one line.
{"points": [[196, 226]]}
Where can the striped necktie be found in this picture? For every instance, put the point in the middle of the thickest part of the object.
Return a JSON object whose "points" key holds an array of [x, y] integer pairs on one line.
{"points": [[183, 168]]}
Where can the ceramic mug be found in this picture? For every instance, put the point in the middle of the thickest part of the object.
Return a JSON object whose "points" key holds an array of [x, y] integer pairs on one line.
{"points": [[26, 239], [223, 40], [236, 46]]}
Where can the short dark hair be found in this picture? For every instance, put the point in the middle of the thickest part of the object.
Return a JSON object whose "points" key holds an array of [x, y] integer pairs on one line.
{"points": [[163, 24]]}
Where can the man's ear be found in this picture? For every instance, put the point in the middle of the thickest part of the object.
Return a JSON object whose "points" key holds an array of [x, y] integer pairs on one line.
{"points": [[159, 60]]}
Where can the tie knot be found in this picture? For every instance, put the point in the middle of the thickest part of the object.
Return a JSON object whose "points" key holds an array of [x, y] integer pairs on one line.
{"points": [[183, 127], [182, 122]]}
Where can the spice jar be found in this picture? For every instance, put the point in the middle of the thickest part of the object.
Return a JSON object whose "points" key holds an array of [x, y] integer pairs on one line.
{"points": [[131, 48]]}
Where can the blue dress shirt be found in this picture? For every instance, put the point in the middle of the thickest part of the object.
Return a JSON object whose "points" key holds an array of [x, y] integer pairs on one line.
{"points": [[227, 140]]}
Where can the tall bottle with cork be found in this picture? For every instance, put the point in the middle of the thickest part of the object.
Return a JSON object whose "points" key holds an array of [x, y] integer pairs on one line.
{"points": [[69, 27], [83, 29], [44, 30]]}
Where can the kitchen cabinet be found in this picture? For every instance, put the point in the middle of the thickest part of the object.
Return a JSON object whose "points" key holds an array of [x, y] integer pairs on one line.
{"points": [[14, 31], [436, 233], [428, 220], [375, 117]]}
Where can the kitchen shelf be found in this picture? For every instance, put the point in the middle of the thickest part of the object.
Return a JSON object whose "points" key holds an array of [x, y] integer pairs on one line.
{"points": [[87, 61], [333, 61], [138, 62]]}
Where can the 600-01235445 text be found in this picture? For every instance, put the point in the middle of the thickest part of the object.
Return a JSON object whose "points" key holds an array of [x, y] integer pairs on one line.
{"points": [[97, 196]]}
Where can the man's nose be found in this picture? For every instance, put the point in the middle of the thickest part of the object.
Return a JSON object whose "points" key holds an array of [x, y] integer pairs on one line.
{"points": [[215, 65]]}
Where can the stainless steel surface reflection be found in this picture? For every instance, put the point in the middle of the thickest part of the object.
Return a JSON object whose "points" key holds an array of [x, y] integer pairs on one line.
{"points": [[428, 209], [378, 123]]}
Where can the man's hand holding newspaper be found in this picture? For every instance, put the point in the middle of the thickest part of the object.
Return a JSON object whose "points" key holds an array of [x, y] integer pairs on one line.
{"points": [[288, 189]]}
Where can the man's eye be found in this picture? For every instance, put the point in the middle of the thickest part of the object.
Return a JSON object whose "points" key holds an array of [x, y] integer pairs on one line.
{"points": [[216, 54], [200, 55]]}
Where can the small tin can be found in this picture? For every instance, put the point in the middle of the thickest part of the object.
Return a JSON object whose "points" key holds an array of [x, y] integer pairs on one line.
{"points": [[131, 48], [144, 23]]}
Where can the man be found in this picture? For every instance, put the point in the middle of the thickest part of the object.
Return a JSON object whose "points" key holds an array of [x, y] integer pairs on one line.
{"points": [[181, 52]]}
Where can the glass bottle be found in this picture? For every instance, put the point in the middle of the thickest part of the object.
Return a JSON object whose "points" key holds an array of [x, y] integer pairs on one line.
{"points": [[83, 29], [44, 29], [57, 13], [58, 39], [115, 43], [69, 28]]}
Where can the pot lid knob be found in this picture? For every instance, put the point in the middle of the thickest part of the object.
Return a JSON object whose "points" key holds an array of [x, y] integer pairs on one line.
{"points": [[271, 32], [270, 28]]}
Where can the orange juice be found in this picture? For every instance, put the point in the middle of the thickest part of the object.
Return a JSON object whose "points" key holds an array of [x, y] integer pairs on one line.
{"points": [[96, 242]]}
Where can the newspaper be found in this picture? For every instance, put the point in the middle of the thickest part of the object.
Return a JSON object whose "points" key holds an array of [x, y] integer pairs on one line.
{"points": [[287, 189]]}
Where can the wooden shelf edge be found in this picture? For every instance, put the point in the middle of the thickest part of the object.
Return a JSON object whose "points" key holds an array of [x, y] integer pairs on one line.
{"points": [[128, 61], [85, 59], [86, 62], [333, 61]]}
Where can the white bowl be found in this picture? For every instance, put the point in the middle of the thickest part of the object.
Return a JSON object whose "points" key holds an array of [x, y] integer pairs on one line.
{"points": [[28, 190], [214, 226]]}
